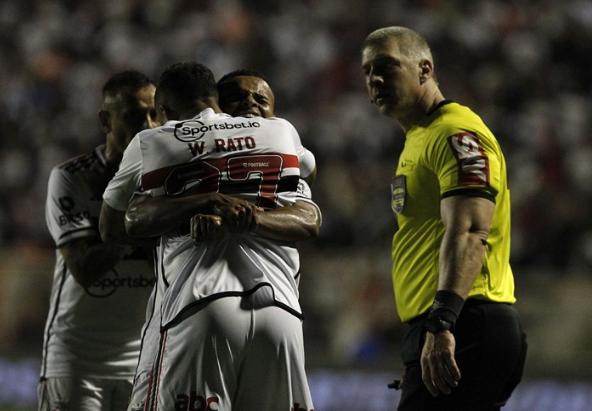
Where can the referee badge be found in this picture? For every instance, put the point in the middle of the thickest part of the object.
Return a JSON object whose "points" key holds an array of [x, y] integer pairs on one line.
{"points": [[398, 192]]}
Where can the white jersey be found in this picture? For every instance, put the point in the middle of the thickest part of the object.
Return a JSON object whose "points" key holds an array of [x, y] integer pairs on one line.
{"points": [[92, 332], [308, 163], [252, 158]]}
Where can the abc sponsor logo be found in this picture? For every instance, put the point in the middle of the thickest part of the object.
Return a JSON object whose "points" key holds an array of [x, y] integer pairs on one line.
{"points": [[107, 286], [194, 402]]}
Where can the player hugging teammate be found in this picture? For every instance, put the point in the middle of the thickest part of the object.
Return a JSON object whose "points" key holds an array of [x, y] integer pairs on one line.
{"points": [[223, 326]]}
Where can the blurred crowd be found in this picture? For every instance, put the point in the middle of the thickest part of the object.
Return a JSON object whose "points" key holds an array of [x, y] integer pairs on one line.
{"points": [[522, 65]]}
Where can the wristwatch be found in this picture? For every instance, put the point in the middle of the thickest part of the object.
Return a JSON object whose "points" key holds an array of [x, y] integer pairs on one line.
{"points": [[436, 325]]}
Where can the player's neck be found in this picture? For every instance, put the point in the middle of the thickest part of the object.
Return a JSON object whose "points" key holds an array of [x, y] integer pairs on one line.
{"points": [[198, 106], [112, 154], [425, 105]]}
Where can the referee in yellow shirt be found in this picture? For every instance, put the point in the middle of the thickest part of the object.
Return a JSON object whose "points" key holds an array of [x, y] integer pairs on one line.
{"points": [[465, 348]]}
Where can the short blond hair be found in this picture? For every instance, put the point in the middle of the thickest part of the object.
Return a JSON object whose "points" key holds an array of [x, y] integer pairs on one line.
{"points": [[410, 42]]}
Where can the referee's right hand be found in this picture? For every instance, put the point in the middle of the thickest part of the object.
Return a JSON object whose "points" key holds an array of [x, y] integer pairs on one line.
{"points": [[439, 370]]}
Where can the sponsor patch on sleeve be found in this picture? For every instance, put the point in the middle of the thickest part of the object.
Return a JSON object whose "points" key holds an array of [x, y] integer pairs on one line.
{"points": [[398, 193], [473, 164]]}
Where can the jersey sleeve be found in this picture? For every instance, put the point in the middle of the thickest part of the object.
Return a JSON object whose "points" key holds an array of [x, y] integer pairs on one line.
{"points": [[467, 163], [307, 163], [304, 193], [300, 150], [127, 180], [67, 212], [305, 157]]}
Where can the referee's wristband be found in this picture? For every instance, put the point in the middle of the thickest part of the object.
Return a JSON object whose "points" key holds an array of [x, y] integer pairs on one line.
{"points": [[447, 307]]}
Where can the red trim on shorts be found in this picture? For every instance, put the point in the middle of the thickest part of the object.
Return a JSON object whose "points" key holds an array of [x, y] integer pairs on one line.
{"points": [[159, 369], [43, 401], [147, 402]]}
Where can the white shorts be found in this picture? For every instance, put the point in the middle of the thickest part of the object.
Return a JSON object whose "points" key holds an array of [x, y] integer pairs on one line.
{"points": [[139, 394], [232, 357], [83, 394]]}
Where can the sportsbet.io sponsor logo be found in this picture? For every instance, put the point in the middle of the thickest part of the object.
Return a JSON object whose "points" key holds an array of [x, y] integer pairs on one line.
{"points": [[195, 129], [107, 286]]}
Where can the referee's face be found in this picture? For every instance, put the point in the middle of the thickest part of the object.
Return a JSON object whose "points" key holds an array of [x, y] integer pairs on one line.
{"points": [[392, 78]]}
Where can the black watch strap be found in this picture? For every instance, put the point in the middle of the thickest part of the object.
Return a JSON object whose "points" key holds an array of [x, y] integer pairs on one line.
{"points": [[436, 325]]}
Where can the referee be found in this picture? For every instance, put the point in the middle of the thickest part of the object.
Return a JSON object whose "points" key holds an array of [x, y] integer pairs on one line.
{"points": [[464, 348]]}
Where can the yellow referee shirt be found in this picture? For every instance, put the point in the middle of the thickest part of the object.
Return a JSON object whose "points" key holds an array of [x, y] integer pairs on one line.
{"points": [[452, 152]]}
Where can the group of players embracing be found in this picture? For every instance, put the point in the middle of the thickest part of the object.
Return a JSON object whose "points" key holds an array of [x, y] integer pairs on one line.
{"points": [[176, 278]]}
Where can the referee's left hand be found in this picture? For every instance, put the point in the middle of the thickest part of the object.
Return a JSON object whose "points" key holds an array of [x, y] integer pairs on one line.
{"points": [[439, 370]]}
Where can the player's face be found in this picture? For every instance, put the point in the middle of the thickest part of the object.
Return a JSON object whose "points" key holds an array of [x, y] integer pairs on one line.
{"points": [[130, 114], [392, 78], [246, 96]]}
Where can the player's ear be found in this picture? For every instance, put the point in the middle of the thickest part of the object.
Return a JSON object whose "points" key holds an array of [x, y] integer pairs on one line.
{"points": [[104, 119], [426, 70]]}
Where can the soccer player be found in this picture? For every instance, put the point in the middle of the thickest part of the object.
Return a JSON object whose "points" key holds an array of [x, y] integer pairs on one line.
{"points": [[100, 289], [244, 93], [464, 348], [247, 93], [231, 322]]}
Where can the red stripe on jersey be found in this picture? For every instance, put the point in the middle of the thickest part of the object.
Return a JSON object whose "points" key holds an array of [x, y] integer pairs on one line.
{"points": [[157, 178], [473, 164]]}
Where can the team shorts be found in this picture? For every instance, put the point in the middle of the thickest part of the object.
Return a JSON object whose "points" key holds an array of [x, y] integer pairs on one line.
{"points": [[139, 394], [83, 394], [233, 355]]}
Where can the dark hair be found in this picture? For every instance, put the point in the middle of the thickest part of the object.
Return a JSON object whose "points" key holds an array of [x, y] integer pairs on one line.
{"points": [[187, 82], [128, 81], [242, 72]]}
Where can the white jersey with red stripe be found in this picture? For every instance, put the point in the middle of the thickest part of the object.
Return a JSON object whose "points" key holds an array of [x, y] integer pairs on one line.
{"points": [[251, 158], [93, 331]]}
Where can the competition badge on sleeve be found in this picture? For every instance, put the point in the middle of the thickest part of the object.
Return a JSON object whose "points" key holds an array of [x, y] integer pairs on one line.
{"points": [[398, 191]]}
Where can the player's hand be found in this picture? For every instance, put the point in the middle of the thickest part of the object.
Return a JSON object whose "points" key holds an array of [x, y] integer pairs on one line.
{"points": [[439, 370], [206, 227], [238, 215]]}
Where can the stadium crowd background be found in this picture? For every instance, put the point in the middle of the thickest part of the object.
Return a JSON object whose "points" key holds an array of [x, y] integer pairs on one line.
{"points": [[524, 66]]}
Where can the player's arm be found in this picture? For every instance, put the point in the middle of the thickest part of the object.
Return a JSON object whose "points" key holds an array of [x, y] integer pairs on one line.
{"points": [[117, 196], [76, 238], [467, 220], [111, 225], [297, 222], [149, 216], [88, 259], [112, 229]]}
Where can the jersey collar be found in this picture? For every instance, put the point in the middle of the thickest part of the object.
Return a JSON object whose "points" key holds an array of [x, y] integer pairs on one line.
{"points": [[438, 106], [209, 113], [202, 115]]}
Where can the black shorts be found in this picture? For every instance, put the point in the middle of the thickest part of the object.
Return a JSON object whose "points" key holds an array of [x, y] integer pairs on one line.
{"points": [[490, 352]]}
